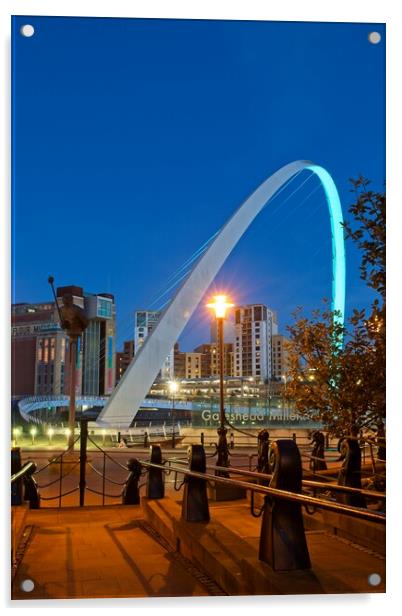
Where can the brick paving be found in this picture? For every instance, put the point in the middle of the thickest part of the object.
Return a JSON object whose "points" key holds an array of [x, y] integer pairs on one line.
{"points": [[98, 552]]}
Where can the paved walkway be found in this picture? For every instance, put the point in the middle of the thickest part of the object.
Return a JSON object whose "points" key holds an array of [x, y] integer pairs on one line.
{"points": [[340, 565], [101, 552]]}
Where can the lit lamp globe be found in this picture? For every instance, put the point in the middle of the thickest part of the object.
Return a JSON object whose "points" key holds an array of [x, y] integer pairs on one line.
{"points": [[220, 306]]}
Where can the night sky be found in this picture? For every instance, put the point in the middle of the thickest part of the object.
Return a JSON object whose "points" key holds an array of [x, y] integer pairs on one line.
{"points": [[134, 140]]}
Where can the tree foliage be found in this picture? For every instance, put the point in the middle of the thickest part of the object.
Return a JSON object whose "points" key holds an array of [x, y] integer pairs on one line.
{"points": [[337, 373], [368, 232]]}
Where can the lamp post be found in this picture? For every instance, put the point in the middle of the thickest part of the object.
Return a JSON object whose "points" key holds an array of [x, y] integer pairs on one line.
{"points": [[73, 321], [285, 379], [173, 389], [220, 306]]}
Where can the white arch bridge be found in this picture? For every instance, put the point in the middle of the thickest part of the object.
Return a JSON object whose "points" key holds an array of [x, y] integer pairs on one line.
{"points": [[128, 396]]}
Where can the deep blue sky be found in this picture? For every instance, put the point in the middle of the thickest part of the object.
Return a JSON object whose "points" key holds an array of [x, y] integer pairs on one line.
{"points": [[135, 140]]}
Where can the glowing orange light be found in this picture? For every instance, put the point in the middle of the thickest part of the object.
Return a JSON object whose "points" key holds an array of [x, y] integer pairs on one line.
{"points": [[173, 387], [220, 305]]}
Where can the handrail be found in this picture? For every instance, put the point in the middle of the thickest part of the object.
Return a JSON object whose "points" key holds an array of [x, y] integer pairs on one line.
{"points": [[281, 494], [306, 482], [22, 472]]}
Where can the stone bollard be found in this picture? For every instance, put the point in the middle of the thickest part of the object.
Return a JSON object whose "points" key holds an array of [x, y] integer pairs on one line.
{"points": [[195, 500], [318, 452], [283, 542], [146, 442], [231, 440], [202, 438], [156, 476], [131, 491], [263, 448], [16, 487], [31, 491], [350, 473]]}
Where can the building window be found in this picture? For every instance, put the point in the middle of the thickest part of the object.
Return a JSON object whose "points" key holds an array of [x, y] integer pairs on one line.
{"points": [[141, 318], [258, 313]]}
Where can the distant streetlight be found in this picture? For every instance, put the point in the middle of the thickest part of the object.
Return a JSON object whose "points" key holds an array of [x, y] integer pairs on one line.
{"points": [[285, 379], [220, 306], [67, 432], [16, 433], [33, 431], [173, 389]]}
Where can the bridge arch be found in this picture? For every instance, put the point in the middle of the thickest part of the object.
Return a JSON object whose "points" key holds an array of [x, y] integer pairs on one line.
{"points": [[127, 397]]}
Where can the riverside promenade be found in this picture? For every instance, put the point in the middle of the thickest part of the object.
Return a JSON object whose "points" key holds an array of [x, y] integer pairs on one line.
{"points": [[107, 549], [132, 551]]}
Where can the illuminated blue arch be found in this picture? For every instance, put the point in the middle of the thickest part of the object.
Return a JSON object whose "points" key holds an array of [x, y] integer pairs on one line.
{"points": [[127, 397], [338, 243]]}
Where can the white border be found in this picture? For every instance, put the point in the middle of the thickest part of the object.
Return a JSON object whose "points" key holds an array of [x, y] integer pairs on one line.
{"points": [[289, 10]]}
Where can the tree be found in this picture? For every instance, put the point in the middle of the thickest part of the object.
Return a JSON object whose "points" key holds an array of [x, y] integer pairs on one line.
{"points": [[369, 212], [337, 373]]}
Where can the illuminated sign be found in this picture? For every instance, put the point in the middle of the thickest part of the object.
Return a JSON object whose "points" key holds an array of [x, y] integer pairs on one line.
{"points": [[34, 330], [207, 415]]}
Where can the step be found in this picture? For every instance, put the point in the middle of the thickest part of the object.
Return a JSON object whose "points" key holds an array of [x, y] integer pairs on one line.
{"points": [[18, 523], [364, 533], [227, 549]]}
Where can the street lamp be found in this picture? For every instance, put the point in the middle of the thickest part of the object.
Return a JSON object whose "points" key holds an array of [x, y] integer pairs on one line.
{"points": [[285, 379], [73, 321], [50, 433], [33, 433], [220, 306], [173, 389]]}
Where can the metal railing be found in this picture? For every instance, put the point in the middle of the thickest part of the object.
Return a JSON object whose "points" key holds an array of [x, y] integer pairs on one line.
{"points": [[247, 471], [26, 469], [282, 538], [273, 492]]}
